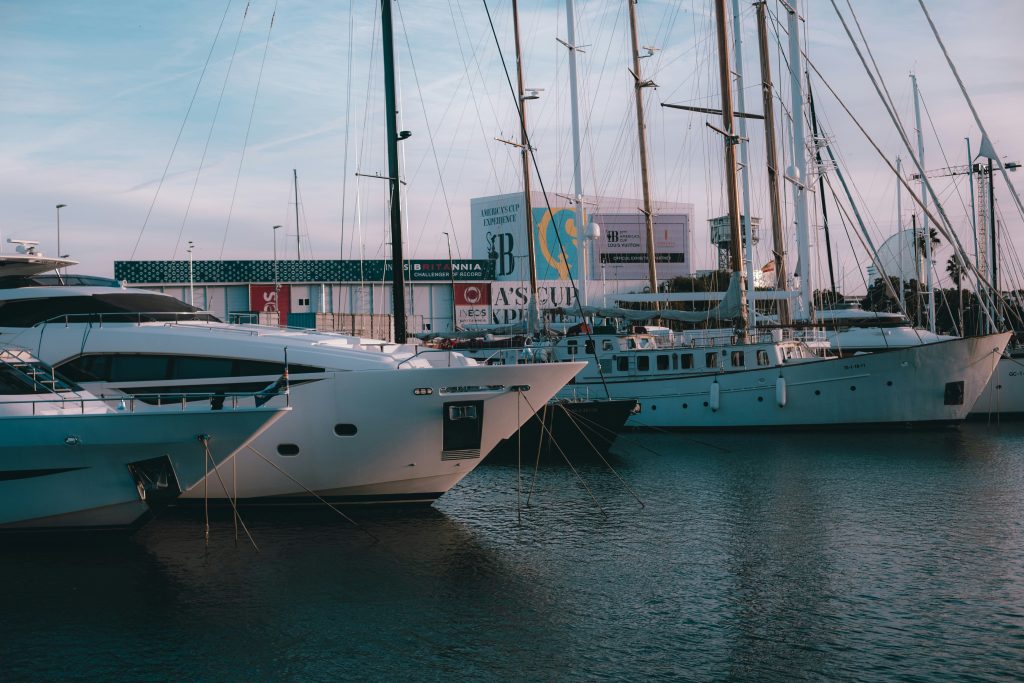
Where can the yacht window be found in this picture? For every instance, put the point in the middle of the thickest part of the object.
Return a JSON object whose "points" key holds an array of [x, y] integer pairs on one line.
{"points": [[686, 360], [571, 345], [606, 345], [662, 361], [588, 345], [114, 367], [623, 362], [762, 357], [711, 360], [643, 363], [737, 359], [287, 449], [345, 430], [675, 361], [631, 343]]}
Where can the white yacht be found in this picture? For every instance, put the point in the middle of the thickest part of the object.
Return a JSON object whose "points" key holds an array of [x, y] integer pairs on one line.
{"points": [[698, 380], [371, 421], [854, 331], [70, 462]]}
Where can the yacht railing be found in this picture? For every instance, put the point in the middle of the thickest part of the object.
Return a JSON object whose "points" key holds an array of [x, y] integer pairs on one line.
{"points": [[152, 402]]}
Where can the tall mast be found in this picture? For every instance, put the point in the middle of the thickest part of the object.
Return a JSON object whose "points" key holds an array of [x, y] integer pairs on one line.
{"points": [[524, 142], [577, 171], [899, 228], [768, 104], [924, 205], [639, 85], [748, 233], [799, 158], [394, 175], [298, 254], [821, 186], [731, 140]]}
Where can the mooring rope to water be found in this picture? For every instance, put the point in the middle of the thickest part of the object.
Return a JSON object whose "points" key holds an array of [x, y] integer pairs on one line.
{"points": [[234, 503], [313, 493]]}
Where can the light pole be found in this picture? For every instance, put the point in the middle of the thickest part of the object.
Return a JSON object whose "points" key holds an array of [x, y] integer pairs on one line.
{"points": [[277, 282], [59, 207], [191, 281], [451, 274]]}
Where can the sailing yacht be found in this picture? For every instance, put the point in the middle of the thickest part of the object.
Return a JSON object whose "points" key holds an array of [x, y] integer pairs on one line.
{"points": [[371, 421], [68, 461], [769, 378]]}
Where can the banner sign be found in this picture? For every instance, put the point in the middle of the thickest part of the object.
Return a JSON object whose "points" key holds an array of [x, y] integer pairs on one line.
{"points": [[622, 247], [473, 304], [268, 298]]}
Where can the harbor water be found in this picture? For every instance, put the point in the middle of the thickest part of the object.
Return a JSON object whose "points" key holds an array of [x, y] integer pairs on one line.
{"points": [[754, 557]]}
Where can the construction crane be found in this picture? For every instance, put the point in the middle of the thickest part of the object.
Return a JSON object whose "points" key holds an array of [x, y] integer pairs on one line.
{"points": [[985, 225]]}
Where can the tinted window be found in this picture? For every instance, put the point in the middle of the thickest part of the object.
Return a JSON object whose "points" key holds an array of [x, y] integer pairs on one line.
{"points": [[663, 362], [762, 357], [643, 363], [149, 367], [687, 360], [737, 359], [711, 360]]}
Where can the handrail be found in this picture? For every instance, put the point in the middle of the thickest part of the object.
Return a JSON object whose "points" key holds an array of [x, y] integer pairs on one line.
{"points": [[218, 399]]}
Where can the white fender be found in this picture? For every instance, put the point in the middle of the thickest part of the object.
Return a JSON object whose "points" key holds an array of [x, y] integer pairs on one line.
{"points": [[715, 395], [780, 391]]}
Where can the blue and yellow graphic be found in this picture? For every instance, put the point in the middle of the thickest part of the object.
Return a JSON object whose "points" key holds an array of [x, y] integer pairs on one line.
{"points": [[552, 262]]}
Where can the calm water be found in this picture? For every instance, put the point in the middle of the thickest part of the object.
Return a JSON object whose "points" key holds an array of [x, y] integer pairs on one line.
{"points": [[757, 557]]}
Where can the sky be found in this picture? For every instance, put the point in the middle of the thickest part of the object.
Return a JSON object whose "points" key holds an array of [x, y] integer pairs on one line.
{"points": [[157, 123]]}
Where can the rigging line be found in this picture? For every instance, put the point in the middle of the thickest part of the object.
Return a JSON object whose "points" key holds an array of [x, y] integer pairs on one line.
{"points": [[181, 129], [945, 226], [234, 505], [540, 417], [248, 129], [426, 121], [544, 192], [967, 266], [579, 477], [209, 135], [597, 452], [313, 493], [970, 103], [348, 128], [942, 151]]}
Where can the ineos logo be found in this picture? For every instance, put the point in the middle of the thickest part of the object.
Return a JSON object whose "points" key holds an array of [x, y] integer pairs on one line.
{"points": [[473, 295]]}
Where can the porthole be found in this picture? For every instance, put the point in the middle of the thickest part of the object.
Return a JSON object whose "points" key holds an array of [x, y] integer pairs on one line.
{"points": [[345, 430], [685, 406], [654, 407], [889, 383], [705, 404], [817, 392], [287, 449], [853, 388], [760, 399]]}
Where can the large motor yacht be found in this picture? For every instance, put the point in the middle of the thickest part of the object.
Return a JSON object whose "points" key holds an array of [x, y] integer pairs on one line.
{"points": [[70, 462], [371, 421]]}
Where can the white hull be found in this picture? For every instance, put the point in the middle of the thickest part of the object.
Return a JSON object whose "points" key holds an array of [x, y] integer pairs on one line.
{"points": [[912, 386], [1004, 393], [396, 451], [73, 472]]}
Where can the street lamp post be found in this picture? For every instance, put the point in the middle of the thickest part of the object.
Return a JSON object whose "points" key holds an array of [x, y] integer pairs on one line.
{"points": [[59, 207], [277, 281], [191, 280]]}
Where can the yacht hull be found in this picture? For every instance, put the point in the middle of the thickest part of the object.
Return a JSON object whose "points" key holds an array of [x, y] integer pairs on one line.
{"points": [[393, 443], [1003, 396], [109, 470], [929, 385]]}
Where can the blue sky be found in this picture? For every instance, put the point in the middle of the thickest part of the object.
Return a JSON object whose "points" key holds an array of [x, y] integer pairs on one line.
{"points": [[93, 95]]}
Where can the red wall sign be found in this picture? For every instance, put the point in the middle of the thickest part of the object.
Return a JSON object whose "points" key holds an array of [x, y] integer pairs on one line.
{"points": [[264, 299]]}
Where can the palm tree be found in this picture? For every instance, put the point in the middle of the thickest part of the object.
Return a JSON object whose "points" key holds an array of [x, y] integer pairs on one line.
{"points": [[956, 274]]}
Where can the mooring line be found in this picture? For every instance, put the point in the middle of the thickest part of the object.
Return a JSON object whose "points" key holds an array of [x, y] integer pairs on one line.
{"points": [[234, 506], [314, 494]]}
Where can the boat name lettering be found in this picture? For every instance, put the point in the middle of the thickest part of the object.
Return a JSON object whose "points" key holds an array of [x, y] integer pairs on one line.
{"points": [[855, 366]]}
